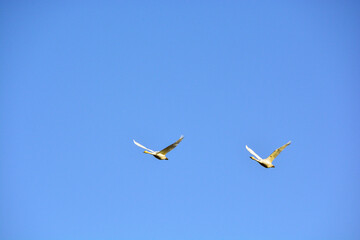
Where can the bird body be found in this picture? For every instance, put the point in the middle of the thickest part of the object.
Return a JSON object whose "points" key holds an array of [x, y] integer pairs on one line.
{"points": [[157, 155], [161, 155], [267, 162]]}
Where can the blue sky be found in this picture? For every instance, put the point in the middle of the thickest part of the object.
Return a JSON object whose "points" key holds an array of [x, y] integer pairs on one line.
{"points": [[80, 80]]}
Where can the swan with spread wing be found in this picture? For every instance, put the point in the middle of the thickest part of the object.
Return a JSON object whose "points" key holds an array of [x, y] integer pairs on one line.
{"points": [[267, 162], [161, 155]]}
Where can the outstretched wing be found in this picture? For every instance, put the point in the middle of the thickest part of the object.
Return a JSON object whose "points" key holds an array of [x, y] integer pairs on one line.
{"points": [[172, 146], [252, 152], [142, 146], [277, 152]]}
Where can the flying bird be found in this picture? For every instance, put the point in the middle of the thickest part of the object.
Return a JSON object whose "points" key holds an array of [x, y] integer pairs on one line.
{"points": [[267, 163], [161, 155]]}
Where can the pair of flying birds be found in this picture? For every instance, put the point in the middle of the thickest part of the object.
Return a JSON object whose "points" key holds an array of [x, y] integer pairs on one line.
{"points": [[267, 162]]}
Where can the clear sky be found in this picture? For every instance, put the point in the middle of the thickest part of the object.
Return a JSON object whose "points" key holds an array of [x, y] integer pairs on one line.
{"points": [[80, 79]]}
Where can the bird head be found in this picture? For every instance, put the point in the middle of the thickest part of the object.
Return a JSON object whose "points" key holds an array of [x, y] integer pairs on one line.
{"points": [[253, 158]]}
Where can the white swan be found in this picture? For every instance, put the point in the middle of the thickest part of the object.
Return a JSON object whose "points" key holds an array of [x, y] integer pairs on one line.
{"points": [[160, 154], [267, 163]]}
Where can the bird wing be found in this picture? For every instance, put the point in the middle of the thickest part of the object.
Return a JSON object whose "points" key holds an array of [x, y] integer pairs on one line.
{"points": [[252, 152], [172, 146], [142, 146], [277, 152]]}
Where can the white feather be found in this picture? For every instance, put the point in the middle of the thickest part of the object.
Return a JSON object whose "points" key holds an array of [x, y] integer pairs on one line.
{"points": [[138, 144], [253, 153]]}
